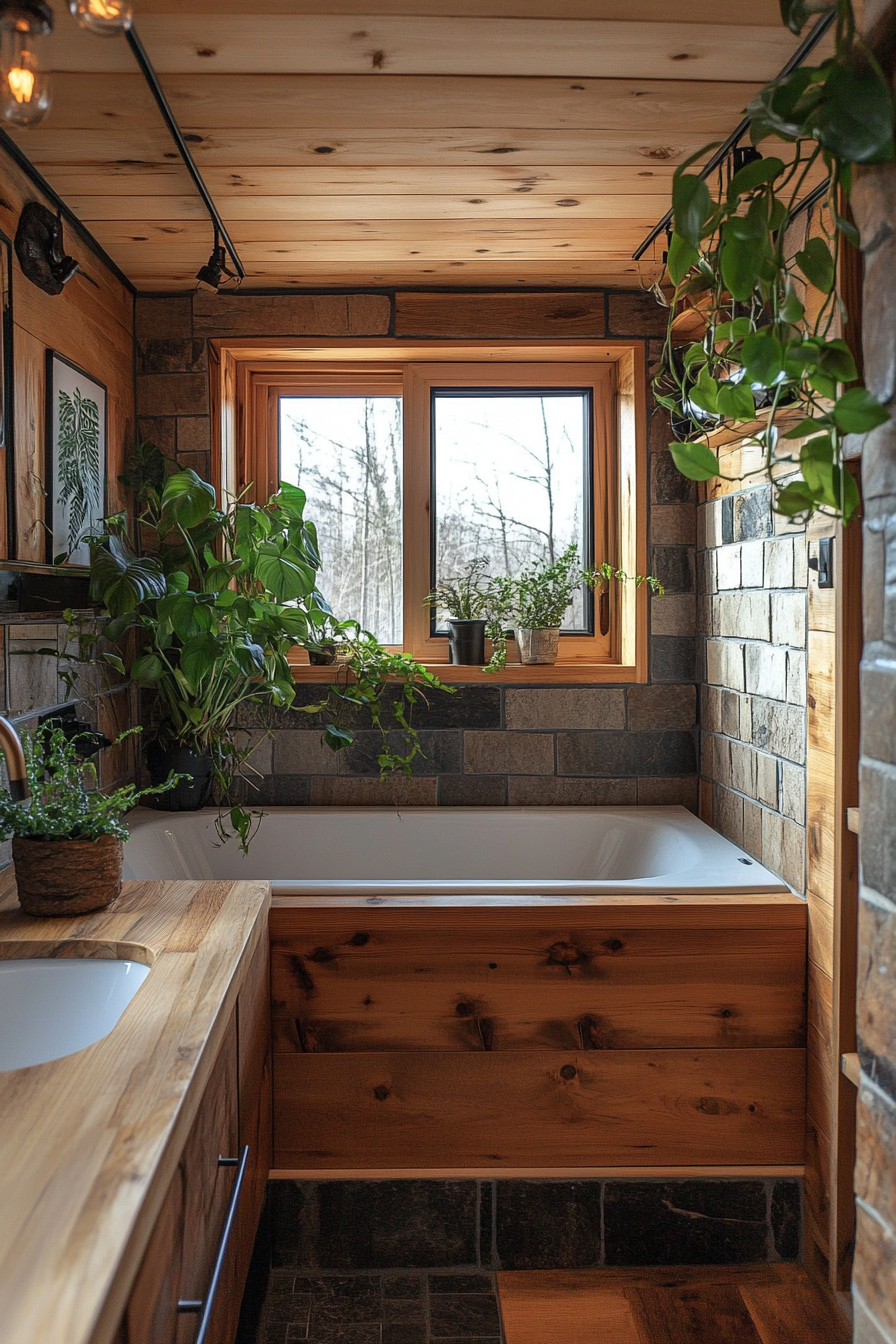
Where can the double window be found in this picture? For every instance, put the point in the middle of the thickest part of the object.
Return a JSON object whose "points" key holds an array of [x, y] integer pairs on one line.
{"points": [[414, 469]]}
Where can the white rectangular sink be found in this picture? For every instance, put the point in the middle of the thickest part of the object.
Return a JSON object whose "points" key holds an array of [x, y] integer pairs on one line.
{"points": [[52, 1007]]}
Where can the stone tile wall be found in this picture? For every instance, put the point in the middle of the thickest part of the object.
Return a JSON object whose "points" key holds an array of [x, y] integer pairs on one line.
{"points": [[484, 745], [752, 616], [491, 746], [530, 1224], [874, 1276]]}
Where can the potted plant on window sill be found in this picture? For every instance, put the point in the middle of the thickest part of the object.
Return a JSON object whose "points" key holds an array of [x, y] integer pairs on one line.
{"points": [[535, 601], [466, 602], [67, 837]]}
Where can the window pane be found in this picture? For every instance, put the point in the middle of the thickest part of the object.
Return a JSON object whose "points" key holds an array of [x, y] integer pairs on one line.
{"points": [[512, 482], [346, 454]]}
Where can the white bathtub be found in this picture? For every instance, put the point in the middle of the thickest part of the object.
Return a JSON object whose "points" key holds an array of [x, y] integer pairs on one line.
{"points": [[376, 853]]}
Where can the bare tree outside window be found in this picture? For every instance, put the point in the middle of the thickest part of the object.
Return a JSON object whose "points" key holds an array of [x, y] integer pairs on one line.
{"points": [[346, 454], [511, 481]]}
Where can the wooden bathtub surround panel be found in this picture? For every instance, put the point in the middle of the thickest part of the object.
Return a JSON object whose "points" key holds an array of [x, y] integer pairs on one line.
{"points": [[416, 1036], [90, 1143], [561, 987], [538, 1108]]}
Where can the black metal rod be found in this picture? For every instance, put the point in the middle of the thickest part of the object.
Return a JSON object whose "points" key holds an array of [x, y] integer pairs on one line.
{"points": [[816, 194], [742, 127], [183, 149]]}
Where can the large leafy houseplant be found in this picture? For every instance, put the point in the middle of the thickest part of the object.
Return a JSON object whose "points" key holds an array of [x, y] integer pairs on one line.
{"points": [[216, 605], [768, 357], [206, 610]]}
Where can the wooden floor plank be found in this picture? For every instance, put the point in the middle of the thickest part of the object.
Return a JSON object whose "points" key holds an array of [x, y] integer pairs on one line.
{"points": [[700, 1304], [693, 1314], [797, 1313], [564, 1309]]}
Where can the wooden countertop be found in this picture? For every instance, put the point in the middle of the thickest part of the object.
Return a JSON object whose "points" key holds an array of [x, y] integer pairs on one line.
{"points": [[89, 1143]]}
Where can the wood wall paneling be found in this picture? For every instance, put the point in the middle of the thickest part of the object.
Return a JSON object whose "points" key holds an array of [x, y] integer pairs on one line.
{"points": [[91, 323]]}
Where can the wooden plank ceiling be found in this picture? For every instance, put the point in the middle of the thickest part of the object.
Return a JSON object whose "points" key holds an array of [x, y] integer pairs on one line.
{"points": [[399, 142]]}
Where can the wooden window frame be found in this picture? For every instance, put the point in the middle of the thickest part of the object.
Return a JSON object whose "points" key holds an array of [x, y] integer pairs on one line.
{"points": [[251, 378]]}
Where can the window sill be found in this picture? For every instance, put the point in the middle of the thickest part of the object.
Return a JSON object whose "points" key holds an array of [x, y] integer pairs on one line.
{"points": [[567, 673]]}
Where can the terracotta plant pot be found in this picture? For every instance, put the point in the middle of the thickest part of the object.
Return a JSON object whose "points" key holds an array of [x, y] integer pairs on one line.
{"points": [[539, 646], [67, 877]]}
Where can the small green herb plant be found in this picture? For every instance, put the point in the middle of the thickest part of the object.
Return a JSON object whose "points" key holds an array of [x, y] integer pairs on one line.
{"points": [[538, 597], [769, 357], [467, 596], [66, 802]]}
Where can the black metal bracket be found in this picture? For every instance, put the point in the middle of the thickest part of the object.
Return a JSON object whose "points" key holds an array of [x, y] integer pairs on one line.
{"points": [[823, 562], [148, 71], [725, 148], [88, 739]]}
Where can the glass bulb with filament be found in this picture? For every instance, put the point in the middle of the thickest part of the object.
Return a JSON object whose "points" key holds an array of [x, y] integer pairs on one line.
{"points": [[24, 88], [104, 17]]}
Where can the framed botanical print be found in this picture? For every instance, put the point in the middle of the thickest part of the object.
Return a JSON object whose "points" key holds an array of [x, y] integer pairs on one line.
{"points": [[76, 460], [6, 437]]}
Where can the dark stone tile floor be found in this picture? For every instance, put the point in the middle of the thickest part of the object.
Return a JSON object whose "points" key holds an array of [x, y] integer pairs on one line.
{"points": [[365, 1308]]}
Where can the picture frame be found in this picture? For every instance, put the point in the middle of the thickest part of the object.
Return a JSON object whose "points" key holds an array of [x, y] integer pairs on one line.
{"points": [[7, 439], [76, 420]]}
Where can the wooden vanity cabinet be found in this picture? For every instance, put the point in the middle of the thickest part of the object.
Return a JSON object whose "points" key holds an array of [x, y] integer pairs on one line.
{"points": [[191, 1279]]}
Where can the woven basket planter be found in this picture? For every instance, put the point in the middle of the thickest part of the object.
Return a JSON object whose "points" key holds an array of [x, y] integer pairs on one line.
{"points": [[67, 877]]}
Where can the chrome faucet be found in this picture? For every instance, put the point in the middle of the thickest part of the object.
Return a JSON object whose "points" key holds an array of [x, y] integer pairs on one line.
{"points": [[11, 745]]}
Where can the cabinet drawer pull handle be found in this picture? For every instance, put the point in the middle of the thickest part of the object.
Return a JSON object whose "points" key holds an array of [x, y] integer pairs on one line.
{"points": [[190, 1306]]}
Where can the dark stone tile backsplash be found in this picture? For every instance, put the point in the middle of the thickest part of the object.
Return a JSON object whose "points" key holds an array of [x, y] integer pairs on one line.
{"points": [[493, 746], [465, 1225]]}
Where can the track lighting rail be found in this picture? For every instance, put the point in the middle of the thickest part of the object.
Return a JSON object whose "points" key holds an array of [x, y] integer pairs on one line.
{"points": [[721, 154], [152, 79]]}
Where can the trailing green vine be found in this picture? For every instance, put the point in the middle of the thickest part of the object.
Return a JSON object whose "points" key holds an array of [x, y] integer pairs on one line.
{"points": [[769, 361]]}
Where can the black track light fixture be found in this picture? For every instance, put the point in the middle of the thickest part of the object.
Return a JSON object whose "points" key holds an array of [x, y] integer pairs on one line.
{"points": [[215, 273]]}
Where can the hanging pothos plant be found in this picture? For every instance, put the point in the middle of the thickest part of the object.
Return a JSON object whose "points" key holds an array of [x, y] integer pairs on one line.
{"points": [[768, 353]]}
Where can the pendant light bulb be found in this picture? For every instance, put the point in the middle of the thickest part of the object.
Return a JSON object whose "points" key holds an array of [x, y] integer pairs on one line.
{"points": [[103, 17], [24, 87]]}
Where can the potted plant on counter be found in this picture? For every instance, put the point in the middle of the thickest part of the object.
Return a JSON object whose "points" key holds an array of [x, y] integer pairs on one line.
{"points": [[466, 602], [535, 601], [67, 837]]}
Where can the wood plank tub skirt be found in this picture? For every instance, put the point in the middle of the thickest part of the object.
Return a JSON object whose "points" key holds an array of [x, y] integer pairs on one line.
{"points": [[539, 1108]]}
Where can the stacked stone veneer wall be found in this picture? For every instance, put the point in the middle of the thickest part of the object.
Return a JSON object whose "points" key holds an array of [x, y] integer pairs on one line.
{"points": [[874, 204], [752, 614], [486, 745]]}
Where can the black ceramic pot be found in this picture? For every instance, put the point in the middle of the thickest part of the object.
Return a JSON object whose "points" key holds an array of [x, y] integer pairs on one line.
{"points": [[324, 655], [188, 795], [466, 642]]}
